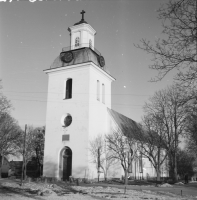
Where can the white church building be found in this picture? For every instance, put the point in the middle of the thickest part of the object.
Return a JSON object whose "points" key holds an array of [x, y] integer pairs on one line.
{"points": [[79, 108]]}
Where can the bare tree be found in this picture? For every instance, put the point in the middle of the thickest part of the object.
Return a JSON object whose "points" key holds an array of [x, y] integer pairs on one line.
{"points": [[5, 104], [186, 163], [178, 49], [9, 136], [31, 146], [152, 143], [169, 107], [191, 143], [9, 129], [101, 156], [123, 148], [38, 146]]}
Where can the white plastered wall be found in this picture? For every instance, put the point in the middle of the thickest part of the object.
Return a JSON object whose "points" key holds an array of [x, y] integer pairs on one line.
{"points": [[78, 130], [98, 116], [85, 32], [89, 117]]}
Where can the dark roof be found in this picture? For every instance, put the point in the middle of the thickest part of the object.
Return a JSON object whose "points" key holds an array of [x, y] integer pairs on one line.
{"points": [[133, 129], [127, 126], [80, 22], [81, 55]]}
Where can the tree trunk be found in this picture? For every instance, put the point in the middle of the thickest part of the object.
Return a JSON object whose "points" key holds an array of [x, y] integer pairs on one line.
{"points": [[2, 161], [175, 147], [104, 172], [98, 176], [158, 171], [25, 171], [158, 165], [175, 167], [39, 164], [105, 175], [126, 178], [172, 170]]}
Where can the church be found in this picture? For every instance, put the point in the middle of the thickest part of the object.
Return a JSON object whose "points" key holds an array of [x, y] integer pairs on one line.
{"points": [[79, 108]]}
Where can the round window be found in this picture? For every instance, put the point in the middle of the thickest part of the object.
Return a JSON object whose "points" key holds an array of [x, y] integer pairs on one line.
{"points": [[66, 120]]}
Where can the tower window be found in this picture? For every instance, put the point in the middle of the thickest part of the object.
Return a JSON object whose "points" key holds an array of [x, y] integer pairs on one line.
{"points": [[90, 43], [68, 89], [77, 42], [98, 90], [103, 93]]}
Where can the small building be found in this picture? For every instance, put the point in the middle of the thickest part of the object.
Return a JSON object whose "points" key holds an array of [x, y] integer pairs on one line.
{"points": [[16, 168], [5, 168]]}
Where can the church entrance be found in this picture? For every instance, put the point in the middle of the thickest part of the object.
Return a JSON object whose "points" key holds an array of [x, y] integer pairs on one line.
{"points": [[67, 164]]}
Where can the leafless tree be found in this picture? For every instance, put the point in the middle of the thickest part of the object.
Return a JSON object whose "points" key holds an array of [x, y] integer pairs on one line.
{"points": [[101, 156], [191, 143], [178, 48], [38, 145], [9, 136], [123, 148], [168, 106], [5, 104], [34, 146], [152, 142]]}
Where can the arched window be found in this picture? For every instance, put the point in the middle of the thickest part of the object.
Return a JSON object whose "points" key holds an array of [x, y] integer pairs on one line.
{"points": [[68, 89], [90, 43], [98, 90], [103, 93], [77, 42]]}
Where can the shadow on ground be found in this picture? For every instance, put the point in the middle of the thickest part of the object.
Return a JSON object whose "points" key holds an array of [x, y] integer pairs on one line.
{"points": [[66, 189], [9, 191]]}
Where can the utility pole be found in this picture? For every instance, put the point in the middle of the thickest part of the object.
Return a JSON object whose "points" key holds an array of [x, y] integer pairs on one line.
{"points": [[24, 143], [98, 163]]}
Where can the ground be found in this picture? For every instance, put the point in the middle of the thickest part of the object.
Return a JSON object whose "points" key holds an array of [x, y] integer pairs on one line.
{"points": [[11, 190]]}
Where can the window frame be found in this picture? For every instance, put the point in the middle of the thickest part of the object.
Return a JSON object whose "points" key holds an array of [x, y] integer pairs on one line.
{"points": [[90, 43], [68, 89], [103, 93], [77, 42], [98, 90]]}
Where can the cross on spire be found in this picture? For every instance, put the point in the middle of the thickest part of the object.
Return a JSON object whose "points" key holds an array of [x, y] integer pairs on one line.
{"points": [[82, 13], [82, 19]]}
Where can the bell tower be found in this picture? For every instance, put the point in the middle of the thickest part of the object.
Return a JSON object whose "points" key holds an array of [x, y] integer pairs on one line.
{"points": [[81, 34], [79, 93]]}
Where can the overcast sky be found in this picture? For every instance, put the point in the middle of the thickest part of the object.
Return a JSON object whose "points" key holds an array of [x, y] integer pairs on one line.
{"points": [[33, 34]]}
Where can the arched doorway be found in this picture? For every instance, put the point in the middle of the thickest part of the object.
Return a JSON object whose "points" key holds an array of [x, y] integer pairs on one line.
{"points": [[67, 163]]}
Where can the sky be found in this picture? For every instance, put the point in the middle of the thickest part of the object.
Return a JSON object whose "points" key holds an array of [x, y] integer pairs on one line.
{"points": [[32, 35]]}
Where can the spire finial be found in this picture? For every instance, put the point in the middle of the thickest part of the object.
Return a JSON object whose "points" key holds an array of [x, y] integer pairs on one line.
{"points": [[82, 19], [82, 13]]}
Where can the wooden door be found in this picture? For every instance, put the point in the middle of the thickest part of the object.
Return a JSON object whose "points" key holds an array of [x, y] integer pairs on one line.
{"points": [[67, 164]]}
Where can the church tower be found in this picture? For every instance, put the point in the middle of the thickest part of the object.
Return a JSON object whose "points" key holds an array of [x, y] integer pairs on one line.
{"points": [[79, 94]]}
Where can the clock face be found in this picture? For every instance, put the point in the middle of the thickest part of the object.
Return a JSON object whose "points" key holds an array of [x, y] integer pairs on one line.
{"points": [[66, 57], [101, 61]]}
